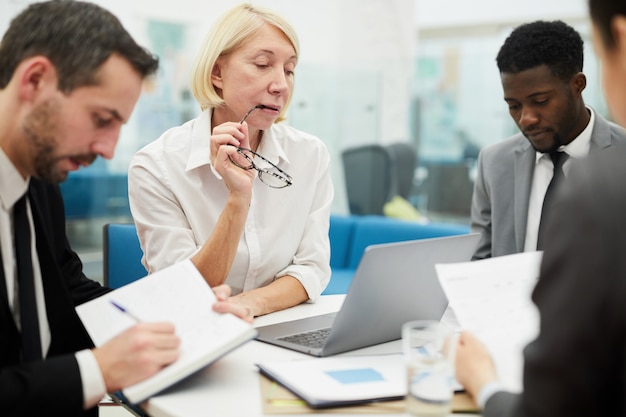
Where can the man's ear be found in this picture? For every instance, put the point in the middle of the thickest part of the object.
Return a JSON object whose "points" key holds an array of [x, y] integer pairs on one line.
{"points": [[579, 82], [35, 75]]}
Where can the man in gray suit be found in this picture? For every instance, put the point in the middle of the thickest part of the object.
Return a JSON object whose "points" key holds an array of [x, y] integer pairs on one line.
{"points": [[577, 364], [541, 66]]}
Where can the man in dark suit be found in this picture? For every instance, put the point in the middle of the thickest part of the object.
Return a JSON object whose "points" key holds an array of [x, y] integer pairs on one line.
{"points": [[577, 364], [541, 65], [70, 76]]}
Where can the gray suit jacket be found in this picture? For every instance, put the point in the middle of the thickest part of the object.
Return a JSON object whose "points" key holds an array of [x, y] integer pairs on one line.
{"points": [[502, 188], [577, 364]]}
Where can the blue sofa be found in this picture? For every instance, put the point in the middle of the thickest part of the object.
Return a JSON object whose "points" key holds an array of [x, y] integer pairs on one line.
{"points": [[351, 234]]}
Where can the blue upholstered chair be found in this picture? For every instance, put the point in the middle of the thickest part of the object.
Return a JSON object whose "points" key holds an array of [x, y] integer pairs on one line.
{"points": [[122, 255], [350, 235], [340, 235], [372, 230]]}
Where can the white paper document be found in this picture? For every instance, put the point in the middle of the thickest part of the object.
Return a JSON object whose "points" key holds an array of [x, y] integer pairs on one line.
{"points": [[179, 295], [341, 380], [492, 299]]}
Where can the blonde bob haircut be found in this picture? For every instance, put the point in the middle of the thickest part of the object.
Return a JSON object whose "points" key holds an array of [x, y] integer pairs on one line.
{"points": [[230, 32]]}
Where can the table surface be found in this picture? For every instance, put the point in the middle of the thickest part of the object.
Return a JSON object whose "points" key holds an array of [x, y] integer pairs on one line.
{"points": [[231, 386]]}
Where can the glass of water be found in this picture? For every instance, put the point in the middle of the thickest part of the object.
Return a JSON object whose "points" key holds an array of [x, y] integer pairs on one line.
{"points": [[429, 349]]}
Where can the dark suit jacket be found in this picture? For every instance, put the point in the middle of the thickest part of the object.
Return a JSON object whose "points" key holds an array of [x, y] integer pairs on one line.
{"points": [[502, 188], [577, 364], [53, 386]]}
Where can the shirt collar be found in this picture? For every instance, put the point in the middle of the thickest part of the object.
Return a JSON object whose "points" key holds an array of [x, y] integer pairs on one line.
{"points": [[579, 147], [12, 185], [271, 149], [200, 141]]}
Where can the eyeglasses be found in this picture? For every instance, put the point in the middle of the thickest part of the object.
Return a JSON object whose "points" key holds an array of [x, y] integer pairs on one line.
{"points": [[269, 173], [245, 116]]}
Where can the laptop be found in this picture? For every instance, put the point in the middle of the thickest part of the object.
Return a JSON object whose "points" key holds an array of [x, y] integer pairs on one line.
{"points": [[394, 283]]}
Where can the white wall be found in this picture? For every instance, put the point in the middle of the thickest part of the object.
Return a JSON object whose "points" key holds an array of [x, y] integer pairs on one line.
{"points": [[372, 39], [357, 55], [450, 13], [378, 36]]}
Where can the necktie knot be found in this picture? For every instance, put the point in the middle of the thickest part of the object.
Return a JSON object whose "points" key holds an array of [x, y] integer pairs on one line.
{"points": [[557, 159]]}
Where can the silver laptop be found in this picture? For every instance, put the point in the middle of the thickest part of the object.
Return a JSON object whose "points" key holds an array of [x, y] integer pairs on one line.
{"points": [[394, 283]]}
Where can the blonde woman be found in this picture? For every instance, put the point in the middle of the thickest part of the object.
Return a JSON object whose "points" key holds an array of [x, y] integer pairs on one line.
{"points": [[242, 194]]}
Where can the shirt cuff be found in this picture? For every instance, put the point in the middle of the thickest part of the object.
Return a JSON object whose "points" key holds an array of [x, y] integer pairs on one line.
{"points": [[486, 392], [94, 388]]}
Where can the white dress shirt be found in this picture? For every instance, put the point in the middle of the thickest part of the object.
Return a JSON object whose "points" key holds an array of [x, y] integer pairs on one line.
{"points": [[544, 169], [12, 188], [176, 198]]}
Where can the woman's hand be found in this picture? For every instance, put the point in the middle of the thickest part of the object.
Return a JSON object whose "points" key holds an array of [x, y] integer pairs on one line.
{"points": [[225, 140], [225, 305]]}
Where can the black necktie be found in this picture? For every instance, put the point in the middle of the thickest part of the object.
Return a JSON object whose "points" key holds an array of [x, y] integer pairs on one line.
{"points": [[558, 159], [31, 340]]}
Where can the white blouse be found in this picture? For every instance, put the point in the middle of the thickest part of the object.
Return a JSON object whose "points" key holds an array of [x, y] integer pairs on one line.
{"points": [[176, 199]]}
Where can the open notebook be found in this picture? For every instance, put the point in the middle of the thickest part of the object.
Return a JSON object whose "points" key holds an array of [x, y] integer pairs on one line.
{"points": [[180, 295]]}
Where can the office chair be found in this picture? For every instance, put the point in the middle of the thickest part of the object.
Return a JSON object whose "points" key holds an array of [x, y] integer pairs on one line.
{"points": [[367, 172], [449, 188], [122, 255], [404, 163]]}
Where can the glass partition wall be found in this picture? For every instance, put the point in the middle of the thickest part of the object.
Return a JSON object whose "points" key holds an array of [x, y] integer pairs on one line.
{"points": [[447, 98]]}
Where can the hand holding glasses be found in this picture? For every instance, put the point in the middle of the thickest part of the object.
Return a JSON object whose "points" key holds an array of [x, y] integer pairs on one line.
{"points": [[269, 174]]}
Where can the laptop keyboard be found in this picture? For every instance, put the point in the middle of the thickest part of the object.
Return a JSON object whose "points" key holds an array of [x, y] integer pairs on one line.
{"points": [[312, 339]]}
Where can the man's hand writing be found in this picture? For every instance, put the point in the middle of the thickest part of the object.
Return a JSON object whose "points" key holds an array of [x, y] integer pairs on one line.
{"points": [[136, 354]]}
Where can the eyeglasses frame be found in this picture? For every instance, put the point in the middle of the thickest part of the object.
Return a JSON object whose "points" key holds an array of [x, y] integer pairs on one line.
{"points": [[285, 178]]}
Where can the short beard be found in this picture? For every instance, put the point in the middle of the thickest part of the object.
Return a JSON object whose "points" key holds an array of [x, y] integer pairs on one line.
{"points": [[557, 143], [39, 129]]}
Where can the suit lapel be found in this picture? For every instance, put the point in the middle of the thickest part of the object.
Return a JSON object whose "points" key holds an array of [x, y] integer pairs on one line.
{"points": [[51, 279], [600, 135], [4, 298], [9, 342], [66, 330], [524, 164]]}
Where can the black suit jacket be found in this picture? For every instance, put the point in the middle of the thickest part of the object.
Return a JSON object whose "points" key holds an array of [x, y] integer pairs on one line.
{"points": [[577, 364], [53, 386]]}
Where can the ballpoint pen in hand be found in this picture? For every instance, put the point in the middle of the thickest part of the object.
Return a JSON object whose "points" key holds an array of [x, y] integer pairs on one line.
{"points": [[125, 311]]}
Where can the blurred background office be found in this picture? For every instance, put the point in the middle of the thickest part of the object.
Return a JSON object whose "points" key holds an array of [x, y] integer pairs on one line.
{"points": [[403, 92]]}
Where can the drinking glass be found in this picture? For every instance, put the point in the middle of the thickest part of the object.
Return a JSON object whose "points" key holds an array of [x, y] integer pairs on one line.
{"points": [[429, 349]]}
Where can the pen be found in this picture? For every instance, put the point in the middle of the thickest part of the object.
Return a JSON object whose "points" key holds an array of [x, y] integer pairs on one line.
{"points": [[125, 311]]}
